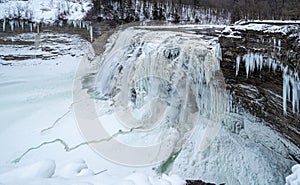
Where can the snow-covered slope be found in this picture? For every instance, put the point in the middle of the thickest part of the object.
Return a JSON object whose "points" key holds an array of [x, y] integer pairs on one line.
{"points": [[45, 11], [40, 142], [76, 172]]}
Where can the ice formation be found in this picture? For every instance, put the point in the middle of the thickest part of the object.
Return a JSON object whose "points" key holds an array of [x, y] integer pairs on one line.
{"points": [[237, 65], [14, 24], [4, 24], [22, 24], [252, 62], [91, 32], [11, 23], [189, 85], [291, 83], [30, 27]]}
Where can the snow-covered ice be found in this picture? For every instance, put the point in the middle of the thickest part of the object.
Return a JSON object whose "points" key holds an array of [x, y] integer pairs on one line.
{"points": [[294, 178], [37, 118]]}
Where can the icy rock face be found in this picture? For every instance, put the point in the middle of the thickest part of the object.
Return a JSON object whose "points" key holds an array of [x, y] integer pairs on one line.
{"points": [[260, 64], [291, 85], [183, 70]]}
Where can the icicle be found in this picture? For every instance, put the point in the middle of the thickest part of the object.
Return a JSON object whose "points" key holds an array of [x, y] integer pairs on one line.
{"points": [[288, 87], [257, 62], [38, 28], [279, 43], [281, 67], [11, 23], [4, 24], [285, 89], [261, 60], [298, 92], [274, 42], [30, 27], [237, 65], [274, 66], [79, 23], [247, 64], [270, 61], [60, 23], [294, 84], [218, 52], [91, 33], [17, 24], [252, 62], [87, 26], [74, 24], [22, 24], [69, 22]]}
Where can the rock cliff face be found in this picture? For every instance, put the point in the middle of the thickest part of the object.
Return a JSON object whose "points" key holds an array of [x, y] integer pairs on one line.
{"points": [[254, 65]]}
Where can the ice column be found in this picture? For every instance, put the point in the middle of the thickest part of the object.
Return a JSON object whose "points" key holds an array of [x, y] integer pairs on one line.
{"points": [[22, 24], [60, 23], [11, 23], [4, 24], [291, 82], [295, 88], [285, 88], [30, 27], [237, 65], [91, 33]]}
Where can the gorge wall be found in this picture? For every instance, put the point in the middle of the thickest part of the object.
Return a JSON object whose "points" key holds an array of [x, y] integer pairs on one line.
{"points": [[260, 68]]}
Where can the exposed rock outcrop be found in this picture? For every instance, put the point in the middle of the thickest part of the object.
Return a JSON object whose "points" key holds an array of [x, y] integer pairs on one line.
{"points": [[257, 87]]}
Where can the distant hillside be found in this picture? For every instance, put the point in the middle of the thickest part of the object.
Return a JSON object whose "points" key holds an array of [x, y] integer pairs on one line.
{"points": [[209, 11]]}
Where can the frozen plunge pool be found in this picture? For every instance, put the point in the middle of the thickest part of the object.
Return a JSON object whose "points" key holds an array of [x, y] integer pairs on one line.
{"points": [[155, 99]]}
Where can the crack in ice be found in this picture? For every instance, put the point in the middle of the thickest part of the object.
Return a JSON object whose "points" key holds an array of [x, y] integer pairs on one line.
{"points": [[60, 118], [67, 148]]}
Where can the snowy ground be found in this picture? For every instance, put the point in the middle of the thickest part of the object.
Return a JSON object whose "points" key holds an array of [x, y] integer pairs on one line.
{"points": [[36, 94], [45, 11]]}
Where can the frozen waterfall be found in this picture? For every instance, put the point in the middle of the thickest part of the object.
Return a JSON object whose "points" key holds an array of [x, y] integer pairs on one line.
{"points": [[166, 81], [168, 85]]}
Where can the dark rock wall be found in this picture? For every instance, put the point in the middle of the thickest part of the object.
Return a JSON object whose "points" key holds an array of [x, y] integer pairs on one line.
{"points": [[261, 93]]}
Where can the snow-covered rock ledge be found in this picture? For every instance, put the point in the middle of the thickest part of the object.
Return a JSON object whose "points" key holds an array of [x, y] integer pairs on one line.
{"points": [[266, 26]]}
